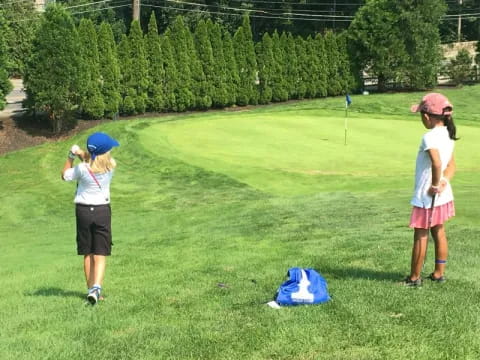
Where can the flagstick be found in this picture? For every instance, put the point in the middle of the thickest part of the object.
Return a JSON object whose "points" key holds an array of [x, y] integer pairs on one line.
{"points": [[346, 124]]}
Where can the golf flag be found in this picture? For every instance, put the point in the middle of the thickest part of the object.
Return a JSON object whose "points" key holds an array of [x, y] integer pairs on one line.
{"points": [[348, 100]]}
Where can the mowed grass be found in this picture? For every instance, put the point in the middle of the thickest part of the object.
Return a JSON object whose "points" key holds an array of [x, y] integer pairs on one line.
{"points": [[209, 212]]}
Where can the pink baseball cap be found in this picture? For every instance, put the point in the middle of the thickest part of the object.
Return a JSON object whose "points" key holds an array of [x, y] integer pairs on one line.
{"points": [[435, 104]]}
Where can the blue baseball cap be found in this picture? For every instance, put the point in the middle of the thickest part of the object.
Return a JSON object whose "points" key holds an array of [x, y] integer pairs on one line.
{"points": [[99, 143]]}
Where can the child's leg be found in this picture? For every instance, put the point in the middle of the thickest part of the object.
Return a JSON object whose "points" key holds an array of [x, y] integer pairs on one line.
{"points": [[441, 250], [88, 267], [99, 271], [420, 238]]}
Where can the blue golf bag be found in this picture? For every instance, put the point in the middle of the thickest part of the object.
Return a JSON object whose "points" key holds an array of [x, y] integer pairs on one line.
{"points": [[305, 286]]}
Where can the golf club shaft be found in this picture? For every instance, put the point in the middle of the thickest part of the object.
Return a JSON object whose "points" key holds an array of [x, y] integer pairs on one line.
{"points": [[430, 217]]}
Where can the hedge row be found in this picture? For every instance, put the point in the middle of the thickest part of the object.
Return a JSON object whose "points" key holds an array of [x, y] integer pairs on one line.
{"points": [[81, 70]]}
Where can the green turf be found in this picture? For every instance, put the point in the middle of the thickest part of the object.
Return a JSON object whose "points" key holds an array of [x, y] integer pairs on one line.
{"points": [[237, 198]]}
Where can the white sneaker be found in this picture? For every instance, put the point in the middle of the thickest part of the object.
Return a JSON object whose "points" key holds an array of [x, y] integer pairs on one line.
{"points": [[94, 295]]}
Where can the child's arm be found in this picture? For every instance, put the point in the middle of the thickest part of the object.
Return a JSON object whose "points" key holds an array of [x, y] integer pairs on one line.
{"points": [[447, 174], [436, 171], [450, 170]]}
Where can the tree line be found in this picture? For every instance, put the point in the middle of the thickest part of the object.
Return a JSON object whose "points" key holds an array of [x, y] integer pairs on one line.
{"points": [[93, 67], [81, 70]]}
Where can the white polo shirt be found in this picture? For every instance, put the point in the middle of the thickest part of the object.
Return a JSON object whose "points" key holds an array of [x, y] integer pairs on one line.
{"points": [[88, 192], [436, 138]]}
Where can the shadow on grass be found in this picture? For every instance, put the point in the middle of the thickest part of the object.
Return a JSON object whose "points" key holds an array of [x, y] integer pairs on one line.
{"points": [[346, 272], [51, 291]]}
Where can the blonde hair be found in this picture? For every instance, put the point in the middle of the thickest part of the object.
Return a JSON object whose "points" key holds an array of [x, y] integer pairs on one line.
{"points": [[102, 164]]}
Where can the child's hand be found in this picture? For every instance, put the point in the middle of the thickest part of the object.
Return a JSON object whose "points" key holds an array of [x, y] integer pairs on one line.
{"points": [[433, 190], [443, 184], [75, 149], [438, 189]]}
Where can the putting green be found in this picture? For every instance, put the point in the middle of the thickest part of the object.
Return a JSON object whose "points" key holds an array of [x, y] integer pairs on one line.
{"points": [[302, 152]]}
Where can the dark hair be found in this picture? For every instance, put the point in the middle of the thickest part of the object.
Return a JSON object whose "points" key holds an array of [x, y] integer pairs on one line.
{"points": [[448, 121], [452, 129]]}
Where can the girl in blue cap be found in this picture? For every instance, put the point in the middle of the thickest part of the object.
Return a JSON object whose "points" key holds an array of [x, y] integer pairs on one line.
{"points": [[92, 206]]}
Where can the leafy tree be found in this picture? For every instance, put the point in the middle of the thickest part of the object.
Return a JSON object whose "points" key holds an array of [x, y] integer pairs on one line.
{"points": [[265, 60], [377, 44], [279, 64], [459, 69], [398, 41], [51, 75], [22, 22], [91, 99], [156, 96], [109, 70], [232, 76], [219, 70], [422, 40]]}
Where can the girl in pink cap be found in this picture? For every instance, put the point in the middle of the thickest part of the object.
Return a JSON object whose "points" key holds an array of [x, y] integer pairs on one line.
{"points": [[433, 197]]}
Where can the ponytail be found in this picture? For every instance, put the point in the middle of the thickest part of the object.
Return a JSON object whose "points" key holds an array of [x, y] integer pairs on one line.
{"points": [[452, 129]]}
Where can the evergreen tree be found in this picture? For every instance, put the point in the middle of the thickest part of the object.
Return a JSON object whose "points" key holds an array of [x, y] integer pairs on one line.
{"points": [[52, 72], [246, 63], [201, 65], [344, 65], [219, 70], [252, 70], [459, 69], [109, 70], [334, 83], [303, 70], [184, 96], [5, 85], [139, 79], [312, 68], [156, 96], [127, 104], [291, 68], [322, 75], [91, 99], [22, 21], [265, 61], [171, 76], [232, 77], [279, 79]]}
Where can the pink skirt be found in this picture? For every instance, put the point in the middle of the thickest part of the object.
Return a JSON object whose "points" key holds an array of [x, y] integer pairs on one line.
{"points": [[442, 213]]}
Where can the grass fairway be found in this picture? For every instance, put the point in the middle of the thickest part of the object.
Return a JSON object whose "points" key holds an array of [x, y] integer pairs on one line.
{"points": [[209, 212]]}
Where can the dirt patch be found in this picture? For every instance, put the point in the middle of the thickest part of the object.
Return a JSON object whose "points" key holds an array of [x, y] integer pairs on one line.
{"points": [[18, 132]]}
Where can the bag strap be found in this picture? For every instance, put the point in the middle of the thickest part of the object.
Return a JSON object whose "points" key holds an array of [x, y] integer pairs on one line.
{"points": [[94, 177]]}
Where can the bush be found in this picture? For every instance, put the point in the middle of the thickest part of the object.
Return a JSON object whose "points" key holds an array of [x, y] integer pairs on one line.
{"points": [[459, 69]]}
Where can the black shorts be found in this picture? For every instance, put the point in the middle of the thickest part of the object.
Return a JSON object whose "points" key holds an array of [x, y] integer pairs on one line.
{"points": [[94, 230]]}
